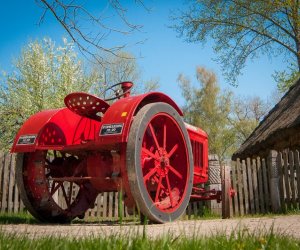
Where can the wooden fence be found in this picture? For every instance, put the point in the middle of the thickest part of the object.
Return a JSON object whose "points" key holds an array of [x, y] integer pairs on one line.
{"points": [[261, 185], [266, 185], [106, 205]]}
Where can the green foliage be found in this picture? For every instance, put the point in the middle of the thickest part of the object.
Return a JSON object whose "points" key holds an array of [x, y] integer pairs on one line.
{"points": [[208, 108], [246, 113], [243, 30], [286, 78], [43, 75], [226, 119]]}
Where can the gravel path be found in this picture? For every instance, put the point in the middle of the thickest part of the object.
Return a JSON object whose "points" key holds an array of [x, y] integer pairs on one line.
{"points": [[288, 225]]}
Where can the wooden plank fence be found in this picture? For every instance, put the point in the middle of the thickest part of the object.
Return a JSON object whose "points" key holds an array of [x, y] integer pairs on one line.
{"points": [[266, 185], [106, 205], [252, 179]]}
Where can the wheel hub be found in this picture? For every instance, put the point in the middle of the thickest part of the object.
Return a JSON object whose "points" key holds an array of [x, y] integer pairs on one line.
{"points": [[163, 159]]}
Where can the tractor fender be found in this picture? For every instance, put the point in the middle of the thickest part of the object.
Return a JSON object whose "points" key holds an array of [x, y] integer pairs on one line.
{"points": [[117, 119], [54, 129]]}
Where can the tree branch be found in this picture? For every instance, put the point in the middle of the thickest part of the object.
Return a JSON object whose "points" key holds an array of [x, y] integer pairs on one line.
{"points": [[229, 23], [71, 15], [247, 7]]}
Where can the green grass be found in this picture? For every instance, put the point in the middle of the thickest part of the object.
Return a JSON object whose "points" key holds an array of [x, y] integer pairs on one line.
{"points": [[17, 218], [270, 214], [205, 214], [241, 239]]}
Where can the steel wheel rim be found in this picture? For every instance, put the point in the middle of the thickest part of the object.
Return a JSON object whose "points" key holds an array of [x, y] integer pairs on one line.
{"points": [[134, 154], [42, 189]]}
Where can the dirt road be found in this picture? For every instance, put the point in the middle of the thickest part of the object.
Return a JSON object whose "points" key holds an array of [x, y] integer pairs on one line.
{"points": [[288, 225]]}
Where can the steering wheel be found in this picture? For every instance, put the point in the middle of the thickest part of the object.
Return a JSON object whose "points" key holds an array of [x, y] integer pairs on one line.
{"points": [[121, 91]]}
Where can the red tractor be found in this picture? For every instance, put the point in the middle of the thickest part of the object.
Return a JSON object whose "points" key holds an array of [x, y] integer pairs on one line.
{"points": [[138, 145]]}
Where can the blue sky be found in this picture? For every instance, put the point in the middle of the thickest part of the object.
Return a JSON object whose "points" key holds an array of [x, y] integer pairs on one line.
{"points": [[163, 55]]}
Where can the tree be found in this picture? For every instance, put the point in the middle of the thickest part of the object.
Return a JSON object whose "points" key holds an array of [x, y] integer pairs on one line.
{"points": [[44, 74], [243, 29], [286, 78], [119, 69], [208, 108], [88, 25], [228, 120], [115, 69], [245, 115]]}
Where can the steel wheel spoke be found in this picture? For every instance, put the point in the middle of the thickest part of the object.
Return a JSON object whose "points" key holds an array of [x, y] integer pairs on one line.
{"points": [[52, 186], [149, 153], [173, 150], [170, 191], [70, 192], [65, 195], [175, 172], [158, 188], [54, 189], [165, 137], [153, 135], [157, 181], [150, 173]]}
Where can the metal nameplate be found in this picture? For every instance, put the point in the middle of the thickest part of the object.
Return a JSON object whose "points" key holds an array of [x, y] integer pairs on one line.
{"points": [[26, 140], [111, 129]]}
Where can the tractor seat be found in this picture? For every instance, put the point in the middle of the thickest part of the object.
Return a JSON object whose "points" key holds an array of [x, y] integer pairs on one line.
{"points": [[87, 105]]}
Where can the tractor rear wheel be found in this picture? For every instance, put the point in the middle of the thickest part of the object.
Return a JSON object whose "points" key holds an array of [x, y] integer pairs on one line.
{"points": [[47, 189], [159, 163]]}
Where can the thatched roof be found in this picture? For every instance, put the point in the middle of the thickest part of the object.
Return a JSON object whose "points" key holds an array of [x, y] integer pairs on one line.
{"points": [[279, 129]]}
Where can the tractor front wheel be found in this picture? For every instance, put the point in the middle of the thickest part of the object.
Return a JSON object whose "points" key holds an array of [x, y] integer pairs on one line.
{"points": [[159, 163]]}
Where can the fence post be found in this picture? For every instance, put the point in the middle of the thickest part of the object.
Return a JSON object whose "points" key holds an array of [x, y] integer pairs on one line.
{"points": [[214, 181], [274, 181]]}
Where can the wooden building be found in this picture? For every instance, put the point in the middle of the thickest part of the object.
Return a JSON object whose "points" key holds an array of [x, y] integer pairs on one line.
{"points": [[279, 130], [265, 170]]}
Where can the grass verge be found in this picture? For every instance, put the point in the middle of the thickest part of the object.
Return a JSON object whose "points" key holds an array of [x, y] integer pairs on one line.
{"points": [[241, 239], [17, 218]]}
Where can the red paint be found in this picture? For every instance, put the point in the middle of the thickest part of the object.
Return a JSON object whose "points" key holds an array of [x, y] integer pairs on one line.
{"points": [[126, 86], [57, 130], [199, 141]]}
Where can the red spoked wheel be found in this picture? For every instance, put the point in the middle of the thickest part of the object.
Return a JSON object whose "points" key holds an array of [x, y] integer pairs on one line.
{"points": [[160, 163], [52, 186]]}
